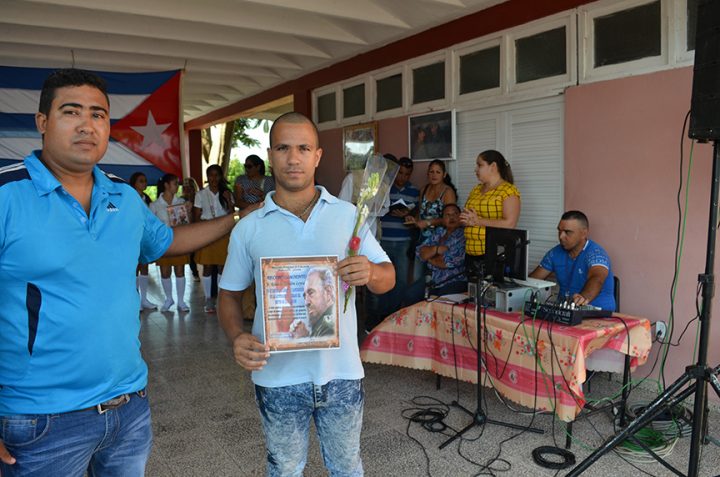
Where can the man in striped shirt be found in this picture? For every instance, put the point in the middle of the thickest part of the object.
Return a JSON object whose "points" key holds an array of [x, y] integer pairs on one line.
{"points": [[396, 240]]}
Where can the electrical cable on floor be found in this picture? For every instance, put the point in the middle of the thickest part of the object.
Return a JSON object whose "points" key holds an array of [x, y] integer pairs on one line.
{"points": [[430, 413], [654, 440], [568, 458], [670, 424]]}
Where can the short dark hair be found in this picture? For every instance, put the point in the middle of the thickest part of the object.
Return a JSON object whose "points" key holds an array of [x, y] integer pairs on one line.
{"points": [[390, 157], [453, 205], [68, 77], [405, 162], [294, 118], [576, 215]]}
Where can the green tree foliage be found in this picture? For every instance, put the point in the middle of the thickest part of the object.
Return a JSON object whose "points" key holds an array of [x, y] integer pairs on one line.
{"points": [[232, 134], [236, 168]]}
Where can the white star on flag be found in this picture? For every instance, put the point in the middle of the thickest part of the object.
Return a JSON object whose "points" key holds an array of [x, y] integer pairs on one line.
{"points": [[152, 132]]}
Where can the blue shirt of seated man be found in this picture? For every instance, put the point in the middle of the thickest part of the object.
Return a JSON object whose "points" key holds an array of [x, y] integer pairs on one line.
{"points": [[581, 267]]}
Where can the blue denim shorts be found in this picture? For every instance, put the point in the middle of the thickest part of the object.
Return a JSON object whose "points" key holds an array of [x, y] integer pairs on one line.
{"points": [[115, 444], [337, 410]]}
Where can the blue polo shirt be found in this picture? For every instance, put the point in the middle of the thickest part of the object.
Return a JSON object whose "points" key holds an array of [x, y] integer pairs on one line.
{"points": [[69, 316], [274, 232], [572, 273]]}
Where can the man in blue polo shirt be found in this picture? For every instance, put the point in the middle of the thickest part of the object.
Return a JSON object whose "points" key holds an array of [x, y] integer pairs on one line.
{"points": [[581, 267], [72, 378], [291, 388]]}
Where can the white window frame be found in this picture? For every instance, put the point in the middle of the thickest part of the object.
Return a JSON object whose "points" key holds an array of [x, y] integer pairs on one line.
{"points": [[679, 26], [322, 92], [486, 93], [579, 28], [416, 63], [587, 15], [360, 118], [551, 83], [381, 75]]}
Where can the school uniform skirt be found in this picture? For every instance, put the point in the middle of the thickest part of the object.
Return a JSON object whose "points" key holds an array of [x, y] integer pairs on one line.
{"points": [[178, 261], [214, 253]]}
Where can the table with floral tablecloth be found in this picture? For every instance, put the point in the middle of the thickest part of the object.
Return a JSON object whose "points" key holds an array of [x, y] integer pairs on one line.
{"points": [[536, 364]]}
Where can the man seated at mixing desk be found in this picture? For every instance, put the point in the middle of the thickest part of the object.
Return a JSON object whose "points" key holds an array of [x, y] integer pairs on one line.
{"points": [[581, 267]]}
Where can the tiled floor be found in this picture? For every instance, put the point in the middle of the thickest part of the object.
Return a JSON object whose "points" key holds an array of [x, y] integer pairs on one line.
{"points": [[206, 423]]}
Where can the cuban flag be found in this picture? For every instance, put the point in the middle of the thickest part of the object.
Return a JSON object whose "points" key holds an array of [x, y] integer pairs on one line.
{"points": [[144, 115]]}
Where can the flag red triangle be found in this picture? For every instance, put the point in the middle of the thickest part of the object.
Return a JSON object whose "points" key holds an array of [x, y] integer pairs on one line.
{"points": [[152, 130]]}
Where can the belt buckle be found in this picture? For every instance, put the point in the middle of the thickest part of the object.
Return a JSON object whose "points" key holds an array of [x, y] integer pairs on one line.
{"points": [[113, 403]]}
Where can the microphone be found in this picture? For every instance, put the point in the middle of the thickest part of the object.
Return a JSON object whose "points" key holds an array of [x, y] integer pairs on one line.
{"points": [[428, 284], [431, 285]]}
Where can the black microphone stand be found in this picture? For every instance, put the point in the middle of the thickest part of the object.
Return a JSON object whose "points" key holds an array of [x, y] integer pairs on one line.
{"points": [[695, 378], [479, 416]]}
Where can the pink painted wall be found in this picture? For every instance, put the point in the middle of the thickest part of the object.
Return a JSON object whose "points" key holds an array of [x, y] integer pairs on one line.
{"points": [[392, 138], [622, 153]]}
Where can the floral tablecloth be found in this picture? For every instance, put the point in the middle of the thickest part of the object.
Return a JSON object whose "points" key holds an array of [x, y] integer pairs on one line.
{"points": [[536, 364]]}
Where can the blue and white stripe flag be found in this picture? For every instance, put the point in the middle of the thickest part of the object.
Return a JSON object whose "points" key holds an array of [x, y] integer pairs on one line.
{"points": [[130, 93]]}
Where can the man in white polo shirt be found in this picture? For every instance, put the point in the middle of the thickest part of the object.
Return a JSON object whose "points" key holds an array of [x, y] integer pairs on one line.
{"points": [[301, 219]]}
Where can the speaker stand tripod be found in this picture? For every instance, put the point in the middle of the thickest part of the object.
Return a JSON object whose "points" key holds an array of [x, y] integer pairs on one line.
{"points": [[479, 418], [696, 377]]}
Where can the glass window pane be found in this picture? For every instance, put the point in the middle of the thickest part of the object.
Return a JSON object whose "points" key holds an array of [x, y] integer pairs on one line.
{"points": [[692, 7], [628, 35], [429, 83], [480, 70], [354, 101], [326, 107], [541, 56], [389, 93]]}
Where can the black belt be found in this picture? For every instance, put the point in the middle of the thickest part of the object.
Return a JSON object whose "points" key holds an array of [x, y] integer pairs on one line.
{"points": [[114, 403]]}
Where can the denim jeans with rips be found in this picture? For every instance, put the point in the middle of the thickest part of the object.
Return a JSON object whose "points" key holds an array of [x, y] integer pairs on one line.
{"points": [[114, 444], [336, 408]]}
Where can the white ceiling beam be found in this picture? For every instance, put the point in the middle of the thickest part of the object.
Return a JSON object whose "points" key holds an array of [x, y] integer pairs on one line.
{"points": [[222, 12], [454, 3], [235, 81], [204, 96], [117, 61], [56, 37], [225, 90], [356, 10], [82, 19]]}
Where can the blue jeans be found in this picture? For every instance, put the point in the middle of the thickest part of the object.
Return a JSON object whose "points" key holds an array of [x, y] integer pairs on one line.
{"points": [[116, 443], [336, 408], [380, 306]]}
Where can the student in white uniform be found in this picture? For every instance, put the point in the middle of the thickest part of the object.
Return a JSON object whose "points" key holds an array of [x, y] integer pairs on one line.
{"points": [[139, 182], [173, 211], [211, 202]]}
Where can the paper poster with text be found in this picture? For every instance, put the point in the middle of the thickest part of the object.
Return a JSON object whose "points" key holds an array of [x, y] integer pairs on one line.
{"points": [[300, 303]]}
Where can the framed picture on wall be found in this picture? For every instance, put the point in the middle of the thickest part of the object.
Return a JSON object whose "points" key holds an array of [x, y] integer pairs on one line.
{"points": [[432, 136], [359, 143]]}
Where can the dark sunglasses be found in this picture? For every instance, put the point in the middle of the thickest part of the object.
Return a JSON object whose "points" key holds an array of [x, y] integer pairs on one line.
{"points": [[249, 166]]}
